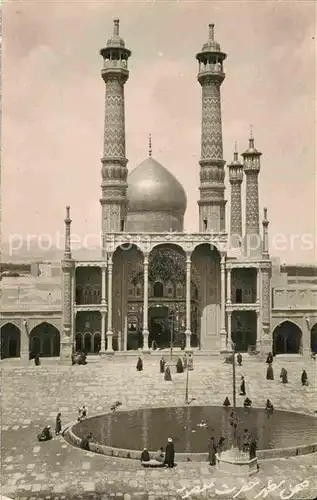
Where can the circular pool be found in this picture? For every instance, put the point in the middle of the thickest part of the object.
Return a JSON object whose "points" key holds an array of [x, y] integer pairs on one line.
{"points": [[191, 427]]}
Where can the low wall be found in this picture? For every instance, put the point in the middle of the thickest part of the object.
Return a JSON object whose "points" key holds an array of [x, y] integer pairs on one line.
{"points": [[187, 457]]}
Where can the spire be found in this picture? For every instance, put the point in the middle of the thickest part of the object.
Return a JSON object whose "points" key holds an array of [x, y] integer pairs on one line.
{"points": [[68, 221], [251, 139], [150, 145], [116, 27], [265, 241], [212, 32], [235, 154]]}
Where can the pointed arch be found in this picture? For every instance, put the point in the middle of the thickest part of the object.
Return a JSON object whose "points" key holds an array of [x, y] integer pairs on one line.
{"points": [[44, 340], [287, 338], [10, 340], [313, 338]]}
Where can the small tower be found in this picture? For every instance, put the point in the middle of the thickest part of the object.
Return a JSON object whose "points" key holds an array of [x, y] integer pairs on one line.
{"points": [[235, 178], [210, 76], [251, 167], [114, 162], [66, 345], [265, 240]]}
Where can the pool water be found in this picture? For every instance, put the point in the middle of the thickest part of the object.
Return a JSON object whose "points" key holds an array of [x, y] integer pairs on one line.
{"points": [[191, 427]]}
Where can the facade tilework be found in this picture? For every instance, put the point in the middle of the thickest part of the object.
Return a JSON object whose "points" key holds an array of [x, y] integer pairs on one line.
{"points": [[252, 223], [114, 132], [211, 143], [236, 210], [266, 312]]}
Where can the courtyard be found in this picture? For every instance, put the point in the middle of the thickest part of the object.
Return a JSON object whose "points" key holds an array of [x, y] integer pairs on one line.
{"points": [[32, 396]]}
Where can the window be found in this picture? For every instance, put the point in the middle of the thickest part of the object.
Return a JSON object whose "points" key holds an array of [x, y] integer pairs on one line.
{"points": [[158, 289], [238, 296], [122, 225], [205, 223]]}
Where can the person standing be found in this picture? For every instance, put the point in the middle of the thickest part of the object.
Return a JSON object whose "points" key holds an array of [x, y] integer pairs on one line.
{"points": [[269, 359], [242, 386], [269, 373], [139, 365], [283, 376], [212, 450], [37, 361], [239, 359], [58, 424], [162, 365], [168, 376], [252, 448], [304, 378], [179, 366], [169, 454]]}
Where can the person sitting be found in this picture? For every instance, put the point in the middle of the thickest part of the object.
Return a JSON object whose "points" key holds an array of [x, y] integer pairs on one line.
{"points": [[145, 456], [226, 402], [247, 403], [159, 455], [84, 444], [283, 376], [269, 406], [239, 359], [168, 376], [269, 373], [179, 366], [269, 359], [304, 378], [139, 365], [46, 434]]}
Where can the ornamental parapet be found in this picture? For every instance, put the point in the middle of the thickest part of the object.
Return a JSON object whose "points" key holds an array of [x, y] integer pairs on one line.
{"points": [[147, 241], [91, 263], [90, 307], [242, 307]]}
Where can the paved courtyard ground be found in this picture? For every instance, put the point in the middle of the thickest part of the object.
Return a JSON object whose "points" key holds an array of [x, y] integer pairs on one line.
{"points": [[31, 397]]}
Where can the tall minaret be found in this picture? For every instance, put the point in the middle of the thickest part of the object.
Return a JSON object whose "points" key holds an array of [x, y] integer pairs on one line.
{"points": [[251, 168], [212, 187], [114, 162], [68, 266], [235, 178]]}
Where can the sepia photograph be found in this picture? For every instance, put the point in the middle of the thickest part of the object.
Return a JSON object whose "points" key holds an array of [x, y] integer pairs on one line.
{"points": [[158, 271]]}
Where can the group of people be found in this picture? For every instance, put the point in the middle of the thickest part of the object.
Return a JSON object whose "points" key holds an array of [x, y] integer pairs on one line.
{"points": [[46, 434], [187, 363], [160, 459], [283, 374], [249, 445]]}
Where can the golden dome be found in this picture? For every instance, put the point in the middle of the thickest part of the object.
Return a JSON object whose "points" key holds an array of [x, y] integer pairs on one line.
{"points": [[152, 188]]}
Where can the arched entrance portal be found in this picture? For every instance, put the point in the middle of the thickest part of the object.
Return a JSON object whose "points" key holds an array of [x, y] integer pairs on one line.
{"points": [[159, 326], [10, 341], [44, 340], [313, 339], [287, 338]]}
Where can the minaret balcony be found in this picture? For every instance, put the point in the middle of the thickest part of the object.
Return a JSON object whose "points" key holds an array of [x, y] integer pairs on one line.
{"points": [[115, 63]]}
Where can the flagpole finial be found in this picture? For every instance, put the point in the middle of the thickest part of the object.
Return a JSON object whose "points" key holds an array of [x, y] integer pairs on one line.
{"points": [[150, 145]]}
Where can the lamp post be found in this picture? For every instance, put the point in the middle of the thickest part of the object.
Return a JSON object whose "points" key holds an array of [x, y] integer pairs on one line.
{"points": [[172, 333], [186, 389], [233, 345]]}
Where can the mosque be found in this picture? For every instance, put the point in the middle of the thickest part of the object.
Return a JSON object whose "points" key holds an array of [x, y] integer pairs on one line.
{"points": [[154, 283]]}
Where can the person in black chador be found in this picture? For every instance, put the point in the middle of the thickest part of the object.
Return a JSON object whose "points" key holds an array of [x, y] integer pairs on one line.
{"points": [[179, 366], [46, 434], [242, 386], [252, 448], [145, 456], [154, 345], [37, 359], [221, 445], [239, 359], [269, 359], [269, 406], [162, 365], [139, 365], [245, 441], [58, 424], [247, 403], [283, 376], [168, 376], [226, 402], [304, 378], [269, 373], [169, 453], [212, 450]]}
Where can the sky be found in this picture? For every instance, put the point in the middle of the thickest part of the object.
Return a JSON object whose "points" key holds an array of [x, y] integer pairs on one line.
{"points": [[53, 107]]}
